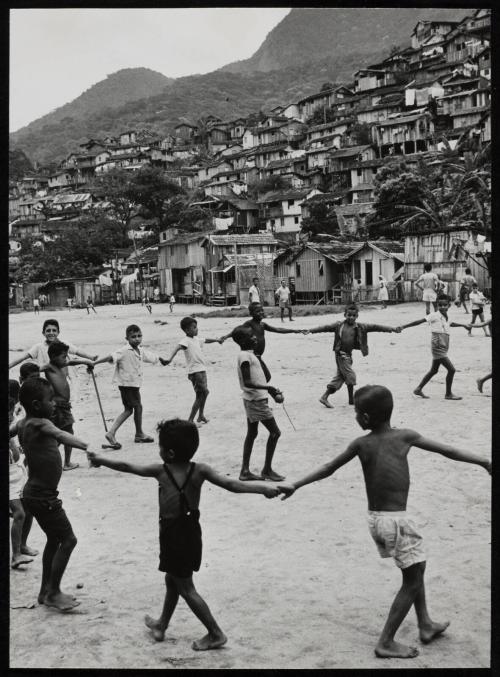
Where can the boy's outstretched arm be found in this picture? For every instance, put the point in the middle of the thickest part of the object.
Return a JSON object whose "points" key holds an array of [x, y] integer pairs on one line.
{"points": [[413, 324], [245, 372], [450, 452], [465, 326], [174, 353], [323, 328], [97, 460], [76, 362], [281, 330], [48, 428], [236, 486], [221, 339], [107, 358], [18, 360], [320, 473], [81, 353], [214, 340]]}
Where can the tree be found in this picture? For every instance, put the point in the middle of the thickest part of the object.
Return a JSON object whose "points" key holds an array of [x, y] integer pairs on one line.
{"points": [[115, 185], [322, 219], [274, 182], [150, 189]]}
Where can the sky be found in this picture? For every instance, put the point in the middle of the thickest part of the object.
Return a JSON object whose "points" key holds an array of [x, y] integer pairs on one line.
{"points": [[56, 54]]}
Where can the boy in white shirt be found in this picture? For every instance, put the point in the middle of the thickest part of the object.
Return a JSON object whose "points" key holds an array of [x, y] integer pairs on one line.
{"points": [[128, 375], [440, 328], [283, 296], [197, 369], [477, 300]]}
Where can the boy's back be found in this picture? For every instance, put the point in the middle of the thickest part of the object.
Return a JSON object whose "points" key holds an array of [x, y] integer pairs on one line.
{"points": [[169, 494]]}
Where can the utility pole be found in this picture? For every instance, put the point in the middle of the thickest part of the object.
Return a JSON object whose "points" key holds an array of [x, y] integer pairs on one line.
{"points": [[237, 274]]}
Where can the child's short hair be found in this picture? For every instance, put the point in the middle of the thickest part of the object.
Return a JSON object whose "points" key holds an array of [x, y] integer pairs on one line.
{"points": [[475, 284], [131, 329], [28, 369], [57, 348], [376, 401], [252, 306], [239, 333], [467, 271], [443, 297], [187, 322], [48, 323], [427, 267], [351, 306], [32, 389], [180, 436], [14, 388]]}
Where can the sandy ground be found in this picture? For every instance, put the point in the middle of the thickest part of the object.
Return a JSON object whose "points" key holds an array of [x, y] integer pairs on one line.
{"points": [[294, 584]]}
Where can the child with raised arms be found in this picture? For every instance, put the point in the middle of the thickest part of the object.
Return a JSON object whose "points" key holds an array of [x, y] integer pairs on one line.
{"points": [[254, 386], [440, 342], [180, 481], [191, 345], [383, 454], [128, 362], [349, 335], [40, 438]]}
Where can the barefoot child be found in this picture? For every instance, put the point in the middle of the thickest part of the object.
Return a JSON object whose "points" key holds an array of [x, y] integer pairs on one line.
{"points": [[39, 439], [171, 302], [383, 455], [440, 341], [197, 367], [55, 372], [253, 380], [21, 519], [128, 374], [259, 327], [180, 481], [349, 335], [477, 300]]}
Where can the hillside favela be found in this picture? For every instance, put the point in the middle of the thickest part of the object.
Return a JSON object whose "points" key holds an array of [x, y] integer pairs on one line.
{"points": [[323, 169]]}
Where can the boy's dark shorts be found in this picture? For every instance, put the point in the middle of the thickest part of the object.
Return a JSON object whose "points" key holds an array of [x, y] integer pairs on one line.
{"points": [[62, 417], [199, 381], [50, 515], [131, 396], [180, 547], [476, 312]]}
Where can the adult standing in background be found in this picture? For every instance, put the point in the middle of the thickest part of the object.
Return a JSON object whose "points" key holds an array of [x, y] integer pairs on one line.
{"points": [[283, 296], [254, 292], [383, 293], [428, 282]]}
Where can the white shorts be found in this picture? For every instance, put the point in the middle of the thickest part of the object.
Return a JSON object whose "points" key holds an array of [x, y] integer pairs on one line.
{"points": [[429, 295], [396, 536]]}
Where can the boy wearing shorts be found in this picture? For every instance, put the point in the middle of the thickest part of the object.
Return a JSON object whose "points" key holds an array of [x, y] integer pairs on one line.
{"points": [[383, 454], [180, 481], [428, 282], [197, 367], [253, 381]]}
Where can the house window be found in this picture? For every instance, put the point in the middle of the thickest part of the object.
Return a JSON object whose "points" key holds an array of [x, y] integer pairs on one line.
{"points": [[321, 270], [291, 203], [282, 221], [359, 172], [186, 248], [295, 219], [272, 222], [297, 270], [163, 236], [357, 269]]}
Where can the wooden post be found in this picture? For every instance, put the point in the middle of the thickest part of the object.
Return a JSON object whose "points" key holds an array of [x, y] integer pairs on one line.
{"points": [[236, 274]]}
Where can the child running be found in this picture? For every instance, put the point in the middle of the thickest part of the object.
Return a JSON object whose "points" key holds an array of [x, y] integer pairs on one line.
{"points": [[477, 300], [128, 362], [180, 481], [440, 341], [253, 380], [21, 519], [55, 373], [349, 335], [259, 327], [39, 439], [383, 454], [197, 367]]}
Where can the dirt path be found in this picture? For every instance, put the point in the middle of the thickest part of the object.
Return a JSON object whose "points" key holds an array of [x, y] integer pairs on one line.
{"points": [[294, 584]]}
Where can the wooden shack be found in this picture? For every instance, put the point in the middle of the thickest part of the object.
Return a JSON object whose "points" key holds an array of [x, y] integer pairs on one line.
{"points": [[181, 265]]}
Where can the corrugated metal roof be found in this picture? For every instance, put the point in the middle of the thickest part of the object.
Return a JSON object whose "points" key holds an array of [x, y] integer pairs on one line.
{"points": [[348, 152], [257, 238]]}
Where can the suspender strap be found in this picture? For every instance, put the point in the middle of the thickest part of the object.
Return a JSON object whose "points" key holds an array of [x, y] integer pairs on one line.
{"points": [[182, 497]]}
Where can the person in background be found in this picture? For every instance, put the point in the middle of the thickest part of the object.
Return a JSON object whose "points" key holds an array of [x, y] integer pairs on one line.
{"points": [[254, 292], [283, 296]]}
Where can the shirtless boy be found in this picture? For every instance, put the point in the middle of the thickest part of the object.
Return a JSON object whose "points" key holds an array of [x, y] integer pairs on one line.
{"points": [[180, 481], [349, 335], [55, 372], [383, 454], [39, 439]]}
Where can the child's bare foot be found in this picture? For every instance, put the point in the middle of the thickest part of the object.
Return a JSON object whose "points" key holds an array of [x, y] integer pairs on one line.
{"points": [[61, 601], [202, 419], [419, 392], [26, 550], [479, 385], [272, 476], [17, 560], [70, 466], [324, 401], [155, 626], [210, 641], [395, 650], [246, 476], [451, 396], [430, 632]]}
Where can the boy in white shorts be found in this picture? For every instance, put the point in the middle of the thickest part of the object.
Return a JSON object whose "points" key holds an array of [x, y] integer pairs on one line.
{"points": [[428, 282]]}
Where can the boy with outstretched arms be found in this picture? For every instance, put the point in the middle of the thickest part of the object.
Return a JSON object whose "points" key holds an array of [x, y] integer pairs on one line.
{"points": [[259, 327], [196, 365], [39, 352], [349, 335], [440, 341], [55, 373], [253, 381], [383, 454], [128, 362], [40, 438], [180, 481]]}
